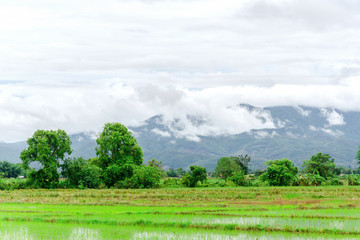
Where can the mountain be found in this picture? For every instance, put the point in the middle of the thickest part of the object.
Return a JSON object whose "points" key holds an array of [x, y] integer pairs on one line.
{"points": [[295, 133]]}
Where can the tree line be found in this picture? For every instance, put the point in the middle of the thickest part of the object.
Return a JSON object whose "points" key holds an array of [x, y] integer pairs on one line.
{"points": [[119, 164]]}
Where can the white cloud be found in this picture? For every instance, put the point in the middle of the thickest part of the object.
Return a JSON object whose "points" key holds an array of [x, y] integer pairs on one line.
{"points": [[161, 133], [333, 117], [332, 132], [264, 134], [78, 64], [302, 112], [213, 111]]}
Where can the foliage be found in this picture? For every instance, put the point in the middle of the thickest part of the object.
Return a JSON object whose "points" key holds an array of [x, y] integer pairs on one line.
{"points": [[353, 180], [10, 170], [259, 172], [280, 173], [310, 179], [322, 164], [116, 145], [358, 157], [196, 174], [141, 177], [179, 172], [80, 173], [238, 178], [47, 148], [118, 154], [157, 164], [146, 177], [243, 162], [334, 182], [115, 173], [172, 182], [226, 167]]}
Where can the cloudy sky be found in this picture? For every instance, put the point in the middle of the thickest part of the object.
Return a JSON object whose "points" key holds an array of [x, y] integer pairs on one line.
{"points": [[75, 65]]}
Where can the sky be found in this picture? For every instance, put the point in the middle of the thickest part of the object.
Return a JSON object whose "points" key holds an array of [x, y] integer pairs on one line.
{"points": [[75, 65]]}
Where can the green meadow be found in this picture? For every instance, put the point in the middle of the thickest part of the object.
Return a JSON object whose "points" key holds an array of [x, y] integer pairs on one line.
{"points": [[182, 213]]}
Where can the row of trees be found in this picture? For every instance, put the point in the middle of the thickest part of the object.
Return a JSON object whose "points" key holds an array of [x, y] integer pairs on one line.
{"points": [[11, 170], [118, 161], [283, 172]]}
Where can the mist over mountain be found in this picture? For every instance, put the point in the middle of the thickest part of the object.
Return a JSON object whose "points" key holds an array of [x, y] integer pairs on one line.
{"points": [[295, 133]]}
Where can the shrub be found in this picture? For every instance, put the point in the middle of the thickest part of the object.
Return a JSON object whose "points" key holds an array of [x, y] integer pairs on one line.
{"points": [[334, 182], [79, 172], [172, 182], [310, 179], [280, 173], [320, 164], [238, 178], [353, 180], [196, 174], [146, 177], [115, 173]]}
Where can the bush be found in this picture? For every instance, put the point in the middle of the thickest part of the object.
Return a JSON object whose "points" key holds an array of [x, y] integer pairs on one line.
{"points": [[43, 178], [115, 173], [353, 180], [238, 178], [310, 179], [196, 174], [172, 182], [280, 173], [80, 173], [334, 182], [146, 177]]}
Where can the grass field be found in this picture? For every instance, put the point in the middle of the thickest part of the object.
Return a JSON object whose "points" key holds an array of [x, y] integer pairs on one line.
{"points": [[203, 213]]}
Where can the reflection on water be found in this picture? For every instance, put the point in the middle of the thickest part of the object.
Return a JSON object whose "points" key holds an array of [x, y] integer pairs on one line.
{"points": [[242, 221], [240, 236], [80, 233], [21, 233]]}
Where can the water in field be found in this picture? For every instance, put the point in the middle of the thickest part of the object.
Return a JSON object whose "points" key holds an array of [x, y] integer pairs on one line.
{"points": [[238, 236], [34, 231]]}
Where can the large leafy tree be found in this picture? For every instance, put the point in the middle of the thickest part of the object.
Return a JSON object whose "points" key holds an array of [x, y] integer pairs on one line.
{"points": [[116, 145], [280, 172], [226, 167], [358, 157], [47, 147], [118, 153], [321, 164]]}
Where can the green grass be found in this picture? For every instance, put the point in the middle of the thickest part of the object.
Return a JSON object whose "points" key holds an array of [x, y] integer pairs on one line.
{"points": [[213, 213]]}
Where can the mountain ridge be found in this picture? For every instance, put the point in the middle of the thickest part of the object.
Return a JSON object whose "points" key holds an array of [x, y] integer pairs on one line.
{"points": [[295, 133]]}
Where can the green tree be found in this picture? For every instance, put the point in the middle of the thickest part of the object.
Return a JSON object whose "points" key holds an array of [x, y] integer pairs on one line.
{"points": [[280, 172], [243, 162], [322, 164], [80, 173], [118, 153], [116, 145], [157, 164], [47, 148], [358, 157], [226, 167], [196, 174], [11, 170]]}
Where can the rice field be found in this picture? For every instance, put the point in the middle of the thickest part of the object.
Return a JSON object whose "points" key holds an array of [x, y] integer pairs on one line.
{"points": [[202, 213]]}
